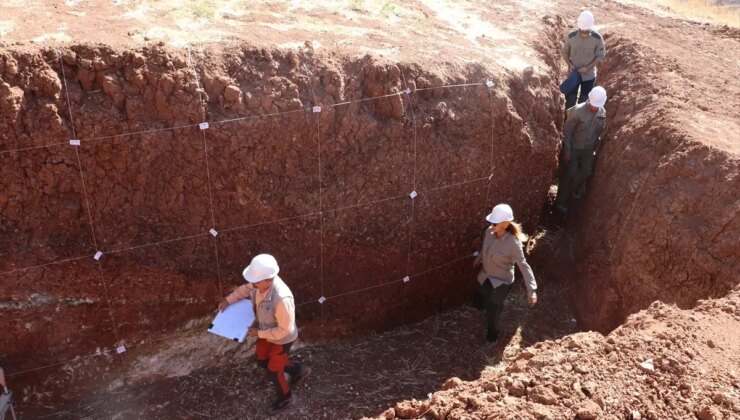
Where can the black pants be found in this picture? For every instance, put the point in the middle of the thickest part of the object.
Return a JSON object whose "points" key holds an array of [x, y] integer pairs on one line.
{"points": [[586, 86], [492, 300]]}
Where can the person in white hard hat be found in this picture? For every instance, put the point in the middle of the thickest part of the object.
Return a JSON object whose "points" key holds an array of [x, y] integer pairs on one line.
{"points": [[583, 50], [502, 248], [274, 325], [581, 134]]}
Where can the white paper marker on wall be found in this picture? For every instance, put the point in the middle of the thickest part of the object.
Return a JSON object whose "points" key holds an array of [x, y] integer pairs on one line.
{"points": [[203, 126], [74, 142], [97, 256]]}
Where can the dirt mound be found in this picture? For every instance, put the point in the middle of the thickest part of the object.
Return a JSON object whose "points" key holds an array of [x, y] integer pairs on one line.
{"points": [[663, 362]]}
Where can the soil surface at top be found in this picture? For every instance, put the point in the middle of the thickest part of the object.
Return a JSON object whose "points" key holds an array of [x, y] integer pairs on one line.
{"points": [[420, 31], [434, 34]]}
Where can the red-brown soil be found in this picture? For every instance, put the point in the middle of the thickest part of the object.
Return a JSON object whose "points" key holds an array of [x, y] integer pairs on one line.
{"points": [[662, 363], [327, 193], [268, 174], [663, 211], [352, 378]]}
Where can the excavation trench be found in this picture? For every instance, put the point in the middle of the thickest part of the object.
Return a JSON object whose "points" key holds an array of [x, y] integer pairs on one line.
{"points": [[327, 191]]}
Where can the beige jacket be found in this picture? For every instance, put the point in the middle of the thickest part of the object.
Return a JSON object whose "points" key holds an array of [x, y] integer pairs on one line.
{"points": [[274, 310], [498, 256]]}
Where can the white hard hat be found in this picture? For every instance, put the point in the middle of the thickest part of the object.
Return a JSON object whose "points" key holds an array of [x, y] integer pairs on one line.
{"points": [[597, 97], [501, 213], [262, 267], [585, 20]]}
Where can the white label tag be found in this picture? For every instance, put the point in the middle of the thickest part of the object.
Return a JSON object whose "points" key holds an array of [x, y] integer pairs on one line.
{"points": [[489, 83], [407, 91], [413, 194], [322, 300], [74, 142], [213, 232], [406, 279], [317, 109], [121, 349], [97, 256], [476, 253], [203, 126], [490, 177]]}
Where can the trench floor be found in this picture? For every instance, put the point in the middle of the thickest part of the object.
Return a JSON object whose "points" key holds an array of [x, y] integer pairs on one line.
{"points": [[351, 378]]}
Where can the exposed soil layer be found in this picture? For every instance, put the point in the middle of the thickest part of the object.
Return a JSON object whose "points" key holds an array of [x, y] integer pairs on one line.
{"points": [[658, 223], [662, 213], [269, 175], [662, 363]]}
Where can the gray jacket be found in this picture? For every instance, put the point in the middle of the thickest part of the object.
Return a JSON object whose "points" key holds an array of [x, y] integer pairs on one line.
{"points": [[581, 51], [582, 128], [499, 256]]}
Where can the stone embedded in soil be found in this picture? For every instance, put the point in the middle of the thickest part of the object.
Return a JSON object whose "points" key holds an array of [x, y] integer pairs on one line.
{"points": [[709, 413], [409, 409], [543, 395], [588, 410], [451, 383]]}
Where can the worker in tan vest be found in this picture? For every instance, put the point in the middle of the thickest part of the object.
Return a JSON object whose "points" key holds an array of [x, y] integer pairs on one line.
{"points": [[581, 134], [274, 325], [583, 50]]}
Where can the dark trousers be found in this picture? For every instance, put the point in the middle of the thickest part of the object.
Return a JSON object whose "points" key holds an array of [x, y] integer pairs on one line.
{"points": [[274, 358], [575, 174], [492, 300], [585, 88]]}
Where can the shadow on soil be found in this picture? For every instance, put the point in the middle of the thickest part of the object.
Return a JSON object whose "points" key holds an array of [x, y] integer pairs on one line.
{"points": [[351, 378]]}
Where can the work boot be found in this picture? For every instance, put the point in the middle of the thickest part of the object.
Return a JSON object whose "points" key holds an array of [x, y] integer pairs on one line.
{"points": [[303, 374], [281, 404]]}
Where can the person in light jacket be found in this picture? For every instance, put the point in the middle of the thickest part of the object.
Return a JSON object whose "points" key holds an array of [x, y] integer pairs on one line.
{"points": [[502, 248], [274, 325]]}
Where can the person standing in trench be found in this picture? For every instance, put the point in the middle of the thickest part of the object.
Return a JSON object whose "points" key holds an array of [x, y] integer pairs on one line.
{"points": [[502, 248], [581, 140], [274, 325], [583, 50]]}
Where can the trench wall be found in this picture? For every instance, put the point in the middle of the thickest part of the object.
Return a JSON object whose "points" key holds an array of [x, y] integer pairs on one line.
{"points": [[662, 215], [326, 192]]}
